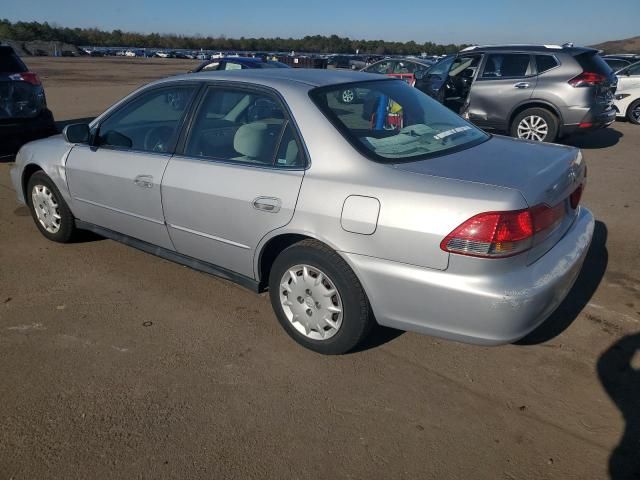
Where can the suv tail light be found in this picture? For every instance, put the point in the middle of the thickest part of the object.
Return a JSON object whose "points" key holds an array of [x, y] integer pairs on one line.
{"points": [[503, 234], [28, 77], [587, 79]]}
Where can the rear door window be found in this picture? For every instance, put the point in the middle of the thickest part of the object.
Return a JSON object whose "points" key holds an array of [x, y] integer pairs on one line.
{"points": [[507, 65], [249, 132], [545, 62]]}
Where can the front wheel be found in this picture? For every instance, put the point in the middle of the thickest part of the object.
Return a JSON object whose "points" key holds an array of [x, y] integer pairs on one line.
{"points": [[535, 124], [633, 113], [318, 299], [48, 209]]}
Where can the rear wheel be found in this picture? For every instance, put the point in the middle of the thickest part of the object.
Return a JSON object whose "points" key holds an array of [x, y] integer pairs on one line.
{"points": [[48, 209], [535, 124], [318, 299], [633, 113]]}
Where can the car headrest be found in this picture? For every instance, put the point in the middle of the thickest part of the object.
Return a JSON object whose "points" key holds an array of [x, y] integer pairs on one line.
{"points": [[254, 140]]}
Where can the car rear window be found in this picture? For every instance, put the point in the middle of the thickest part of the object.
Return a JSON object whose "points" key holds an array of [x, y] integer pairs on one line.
{"points": [[391, 122], [545, 62], [10, 63], [592, 62]]}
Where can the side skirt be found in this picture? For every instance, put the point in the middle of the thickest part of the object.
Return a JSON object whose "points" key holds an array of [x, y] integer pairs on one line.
{"points": [[176, 257]]}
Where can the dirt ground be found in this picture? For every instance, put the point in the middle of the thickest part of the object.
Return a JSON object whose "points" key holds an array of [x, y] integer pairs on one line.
{"points": [[117, 364]]}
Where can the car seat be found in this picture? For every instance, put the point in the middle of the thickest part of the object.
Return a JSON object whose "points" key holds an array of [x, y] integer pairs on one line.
{"points": [[255, 142]]}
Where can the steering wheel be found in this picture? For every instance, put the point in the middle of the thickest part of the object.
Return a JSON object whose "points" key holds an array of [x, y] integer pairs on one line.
{"points": [[157, 139]]}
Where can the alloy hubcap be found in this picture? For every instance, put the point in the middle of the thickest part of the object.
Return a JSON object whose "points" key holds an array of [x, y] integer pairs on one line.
{"points": [[46, 208], [533, 127], [347, 96], [311, 302], [635, 113]]}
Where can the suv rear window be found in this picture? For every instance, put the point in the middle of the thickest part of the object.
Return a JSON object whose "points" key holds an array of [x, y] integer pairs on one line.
{"points": [[9, 62], [545, 62], [592, 62]]}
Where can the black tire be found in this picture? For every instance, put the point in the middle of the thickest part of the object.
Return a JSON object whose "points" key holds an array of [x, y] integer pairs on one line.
{"points": [[634, 118], [347, 96], [357, 319], [66, 229], [550, 119]]}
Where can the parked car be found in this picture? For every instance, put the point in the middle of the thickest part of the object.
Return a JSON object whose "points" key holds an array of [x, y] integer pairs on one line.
{"points": [[627, 99], [418, 221], [401, 68], [24, 115], [618, 62], [237, 63], [533, 92], [339, 61]]}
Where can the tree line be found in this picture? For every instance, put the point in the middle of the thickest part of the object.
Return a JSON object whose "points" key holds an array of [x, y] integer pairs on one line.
{"points": [[30, 31]]}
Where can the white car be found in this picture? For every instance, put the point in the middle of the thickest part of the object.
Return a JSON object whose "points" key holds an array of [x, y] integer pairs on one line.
{"points": [[627, 99]]}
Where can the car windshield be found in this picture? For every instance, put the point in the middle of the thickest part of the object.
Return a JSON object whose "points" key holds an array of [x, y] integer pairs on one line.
{"points": [[391, 122], [442, 67]]}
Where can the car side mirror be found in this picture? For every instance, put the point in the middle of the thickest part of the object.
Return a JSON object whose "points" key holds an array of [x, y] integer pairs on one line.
{"points": [[76, 133]]}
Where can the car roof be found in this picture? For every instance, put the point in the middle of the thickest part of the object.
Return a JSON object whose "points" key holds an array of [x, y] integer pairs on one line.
{"points": [[529, 48], [277, 77], [6, 49]]}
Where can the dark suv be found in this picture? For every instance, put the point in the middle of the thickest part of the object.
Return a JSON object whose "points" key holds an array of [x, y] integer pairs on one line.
{"points": [[23, 109], [533, 92]]}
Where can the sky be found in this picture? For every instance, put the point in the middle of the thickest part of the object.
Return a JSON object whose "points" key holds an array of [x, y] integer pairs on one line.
{"points": [[583, 22]]}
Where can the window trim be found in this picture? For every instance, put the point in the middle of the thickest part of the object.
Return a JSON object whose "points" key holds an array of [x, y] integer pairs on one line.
{"points": [[483, 65], [370, 154], [289, 120], [95, 130]]}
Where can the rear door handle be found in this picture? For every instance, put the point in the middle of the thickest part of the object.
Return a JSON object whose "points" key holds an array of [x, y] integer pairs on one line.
{"points": [[522, 85], [267, 204], [144, 181]]}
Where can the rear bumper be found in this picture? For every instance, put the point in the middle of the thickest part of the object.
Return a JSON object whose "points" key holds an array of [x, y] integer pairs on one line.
{"points": [[14, 134], [591, 120], [483, 310]]}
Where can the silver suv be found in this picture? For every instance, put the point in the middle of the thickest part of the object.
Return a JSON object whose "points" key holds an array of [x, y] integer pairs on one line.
{"points": [[533, 92]]}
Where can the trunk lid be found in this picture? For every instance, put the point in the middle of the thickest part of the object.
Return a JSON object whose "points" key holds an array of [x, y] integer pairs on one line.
{"points": [[542, 173]]}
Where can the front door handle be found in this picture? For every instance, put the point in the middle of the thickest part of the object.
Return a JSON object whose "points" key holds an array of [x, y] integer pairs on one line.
{"points": [[267, 204], [522, 85], [144, 181]]}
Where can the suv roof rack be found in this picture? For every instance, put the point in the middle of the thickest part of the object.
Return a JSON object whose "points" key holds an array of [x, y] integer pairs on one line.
{"points": [[516, 45]]}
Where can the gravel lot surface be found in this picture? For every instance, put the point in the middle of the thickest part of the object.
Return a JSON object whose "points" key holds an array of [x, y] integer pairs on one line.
{"points": [[117, 364]]}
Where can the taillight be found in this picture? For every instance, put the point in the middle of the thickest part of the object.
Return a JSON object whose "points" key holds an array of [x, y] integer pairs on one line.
{"points": [[587, 79], [574, 198], [503, 234], [28, 77]]}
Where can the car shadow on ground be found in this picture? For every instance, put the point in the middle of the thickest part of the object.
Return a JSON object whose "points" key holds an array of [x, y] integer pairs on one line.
{"points": [[593, 269], [602, 138], [620, 377], [378, 336]]}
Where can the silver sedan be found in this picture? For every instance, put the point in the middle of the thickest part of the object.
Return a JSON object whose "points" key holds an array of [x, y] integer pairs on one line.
{"points": [[390, 210]]}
